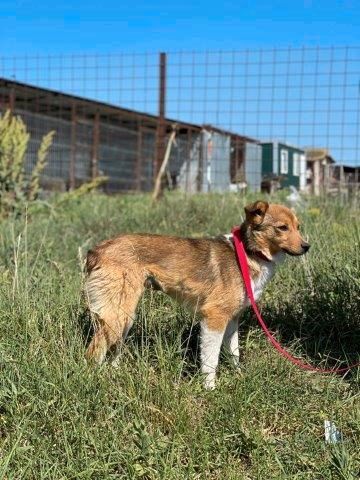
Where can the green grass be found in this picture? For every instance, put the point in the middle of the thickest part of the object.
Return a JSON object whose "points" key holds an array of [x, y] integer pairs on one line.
{"points": [[151, 418]]}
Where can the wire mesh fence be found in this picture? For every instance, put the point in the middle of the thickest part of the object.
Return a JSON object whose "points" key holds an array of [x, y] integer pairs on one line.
{"points": [[244, 119]]}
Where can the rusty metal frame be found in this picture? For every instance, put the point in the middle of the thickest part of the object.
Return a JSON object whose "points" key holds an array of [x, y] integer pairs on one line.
{"points": [[161, 122], [90, 107], [12, 100]]}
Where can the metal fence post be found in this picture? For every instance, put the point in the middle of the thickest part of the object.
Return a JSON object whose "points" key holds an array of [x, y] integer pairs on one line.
{"points": [[12, 100], [161, 124]]}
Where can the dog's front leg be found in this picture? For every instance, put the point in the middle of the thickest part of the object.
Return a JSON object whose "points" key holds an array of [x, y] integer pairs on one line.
{"points": [[231, 340], [211, 340]]}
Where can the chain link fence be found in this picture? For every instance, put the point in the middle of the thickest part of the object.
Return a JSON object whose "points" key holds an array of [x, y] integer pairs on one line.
{"points": [[255, 119]]}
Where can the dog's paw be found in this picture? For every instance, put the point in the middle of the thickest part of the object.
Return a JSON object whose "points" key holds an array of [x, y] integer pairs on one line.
{"points": [[209, 384], [115, 363]]}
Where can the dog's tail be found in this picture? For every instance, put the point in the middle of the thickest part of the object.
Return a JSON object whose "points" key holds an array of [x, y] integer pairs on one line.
{"points": [[112, 296]]}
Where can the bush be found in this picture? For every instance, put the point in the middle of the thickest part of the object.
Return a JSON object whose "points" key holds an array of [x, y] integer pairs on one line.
{"points": [[16, 187]]}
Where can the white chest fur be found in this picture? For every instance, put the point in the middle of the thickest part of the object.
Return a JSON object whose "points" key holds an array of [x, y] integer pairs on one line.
{"points": [[267, 270], [266, 273]]}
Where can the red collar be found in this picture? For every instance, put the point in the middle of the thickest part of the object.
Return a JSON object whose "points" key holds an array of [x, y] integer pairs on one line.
{"points": [[236, 232]]}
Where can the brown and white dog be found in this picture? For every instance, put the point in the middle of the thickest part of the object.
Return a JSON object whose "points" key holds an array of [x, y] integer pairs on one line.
{"points": [[203, 273]]}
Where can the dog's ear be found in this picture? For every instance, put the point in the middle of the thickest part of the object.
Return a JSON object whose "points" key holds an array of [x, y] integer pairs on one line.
{"points": [[255, 212]]}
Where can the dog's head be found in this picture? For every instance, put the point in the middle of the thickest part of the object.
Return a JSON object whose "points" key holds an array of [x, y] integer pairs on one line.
{"points": [[270, 229]]}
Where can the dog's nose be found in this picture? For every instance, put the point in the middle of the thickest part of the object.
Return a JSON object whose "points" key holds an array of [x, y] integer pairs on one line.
{"points": [[305, 246]]}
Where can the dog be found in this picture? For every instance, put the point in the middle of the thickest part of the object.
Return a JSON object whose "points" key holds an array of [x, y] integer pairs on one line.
{"points": [[202, 273]]}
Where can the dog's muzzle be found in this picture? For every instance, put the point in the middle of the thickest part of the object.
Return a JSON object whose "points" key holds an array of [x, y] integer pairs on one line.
{"points": [[304, 248]]}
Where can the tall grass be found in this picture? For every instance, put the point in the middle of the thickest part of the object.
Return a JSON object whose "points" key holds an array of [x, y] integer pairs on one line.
{"points": [[150, 418]]}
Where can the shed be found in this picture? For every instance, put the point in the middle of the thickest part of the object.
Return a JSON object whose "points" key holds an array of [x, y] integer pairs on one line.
{"points": [[94, 138], [318, 162], [285, 162]]}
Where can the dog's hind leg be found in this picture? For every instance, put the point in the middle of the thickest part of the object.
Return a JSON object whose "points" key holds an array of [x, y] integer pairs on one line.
{"points": [[128, 317], [113, 298]]}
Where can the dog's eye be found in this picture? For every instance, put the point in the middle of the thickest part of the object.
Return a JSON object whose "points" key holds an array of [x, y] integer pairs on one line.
{"points": [[283, 228]]}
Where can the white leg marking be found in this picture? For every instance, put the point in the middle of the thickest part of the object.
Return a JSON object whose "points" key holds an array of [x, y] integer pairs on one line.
{"points": [[210, 344], [231, 340]]}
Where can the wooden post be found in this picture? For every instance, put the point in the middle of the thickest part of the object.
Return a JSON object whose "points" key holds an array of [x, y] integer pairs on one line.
{"points": [[158, 187], [326, 179], [316, 177], [342, 179]]}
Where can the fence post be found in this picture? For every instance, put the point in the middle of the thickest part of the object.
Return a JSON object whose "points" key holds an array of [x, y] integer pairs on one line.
{"points": [[95, 146], [342, 180], [12, 100], [316, 177], [161, 124], [326, 179], [72, 147]]}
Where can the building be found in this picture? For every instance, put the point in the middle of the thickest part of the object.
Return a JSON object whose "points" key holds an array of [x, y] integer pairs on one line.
{"points": [[283, 165], [318, 170], [127, 146], [344, 179]]}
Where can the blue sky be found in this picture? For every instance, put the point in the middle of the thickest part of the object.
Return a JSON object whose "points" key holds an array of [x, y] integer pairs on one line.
{"points": [[94, 26], [307, 97]]}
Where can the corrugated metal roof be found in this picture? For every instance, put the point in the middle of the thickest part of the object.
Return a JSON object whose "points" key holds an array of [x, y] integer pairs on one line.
{"points": [[52, 102]]}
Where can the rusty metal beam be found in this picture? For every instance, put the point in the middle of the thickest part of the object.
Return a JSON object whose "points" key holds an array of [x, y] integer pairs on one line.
{"points": [[161, 122], [89, 106], [12, 100]]}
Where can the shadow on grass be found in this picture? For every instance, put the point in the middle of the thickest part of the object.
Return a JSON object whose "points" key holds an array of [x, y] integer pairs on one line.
{"points": [[324, 327]]}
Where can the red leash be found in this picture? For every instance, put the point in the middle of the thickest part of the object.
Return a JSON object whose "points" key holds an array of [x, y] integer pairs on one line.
{"points": [[243, 264]]}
